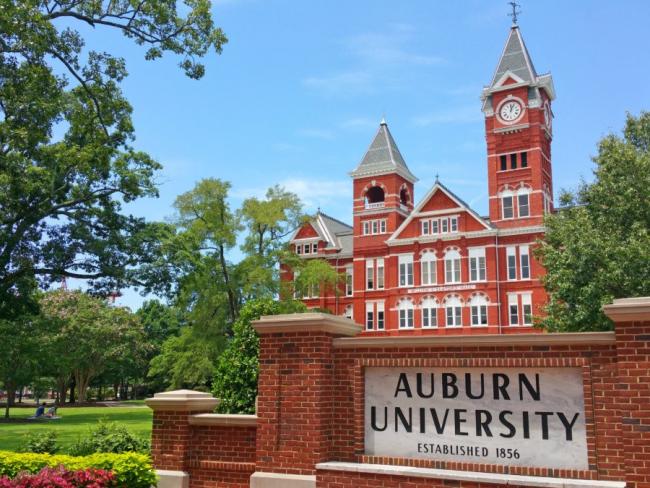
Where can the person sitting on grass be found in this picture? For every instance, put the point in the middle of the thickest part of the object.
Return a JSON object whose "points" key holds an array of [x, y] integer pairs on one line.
{"points": [[51, 412], [40, 410]]}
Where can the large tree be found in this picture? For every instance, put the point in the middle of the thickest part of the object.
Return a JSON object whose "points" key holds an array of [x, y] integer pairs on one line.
{"points": [[89, 336], [67, 163], [597, 246]]}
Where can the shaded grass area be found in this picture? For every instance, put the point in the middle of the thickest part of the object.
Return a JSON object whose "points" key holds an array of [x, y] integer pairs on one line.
{"points": [[75, 423]]}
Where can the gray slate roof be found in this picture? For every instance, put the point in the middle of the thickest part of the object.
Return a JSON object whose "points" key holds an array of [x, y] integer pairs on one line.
{"points": [[515, 58], [383, 157]]}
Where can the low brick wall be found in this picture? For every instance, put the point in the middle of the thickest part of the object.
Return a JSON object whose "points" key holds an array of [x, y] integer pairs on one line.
{"points": [[309, 428]]}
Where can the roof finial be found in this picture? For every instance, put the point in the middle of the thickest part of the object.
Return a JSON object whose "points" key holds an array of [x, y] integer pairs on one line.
{"points": [[383, 120], [515, 12], [437, 175]]}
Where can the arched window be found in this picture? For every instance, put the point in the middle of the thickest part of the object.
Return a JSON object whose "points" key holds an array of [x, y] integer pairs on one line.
{"points": [[523, 201], [404, 196], [479, 306], [507, 204], [405, 311], [452, 266], [429, 312], [428, 268], [348, 312], [375, 197], [453, 311]]}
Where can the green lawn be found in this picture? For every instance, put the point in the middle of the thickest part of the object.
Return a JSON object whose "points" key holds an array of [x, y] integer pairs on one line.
{"points": [[75, 423]]}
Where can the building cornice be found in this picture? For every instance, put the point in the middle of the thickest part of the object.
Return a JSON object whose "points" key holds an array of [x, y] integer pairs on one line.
{"points": [[469, 235], [506, 340], [306, 322], [629, 310]]}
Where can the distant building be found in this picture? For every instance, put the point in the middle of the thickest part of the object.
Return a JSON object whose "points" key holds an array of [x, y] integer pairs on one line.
{"points": [[437, 266]]}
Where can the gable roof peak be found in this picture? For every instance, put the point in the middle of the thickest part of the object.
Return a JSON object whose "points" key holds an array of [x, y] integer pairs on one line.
{"points": [[383, 157]]}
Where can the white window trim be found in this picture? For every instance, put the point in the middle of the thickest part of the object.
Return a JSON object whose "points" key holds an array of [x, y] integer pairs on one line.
{"points": [[524, 251], [511, 251]]}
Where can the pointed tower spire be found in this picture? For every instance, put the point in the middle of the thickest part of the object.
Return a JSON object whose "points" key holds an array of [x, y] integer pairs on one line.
{"points": [[515, 60], [383, 157]]}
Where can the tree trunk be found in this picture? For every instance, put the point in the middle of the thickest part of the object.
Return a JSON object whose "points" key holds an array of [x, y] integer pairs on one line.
{"points": [[72, 388], [82, 379], [116, 391], [20, 394], [62, 388]]}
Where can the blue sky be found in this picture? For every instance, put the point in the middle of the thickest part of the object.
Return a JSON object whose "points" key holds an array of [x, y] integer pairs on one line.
{"points": [[297, 94]]}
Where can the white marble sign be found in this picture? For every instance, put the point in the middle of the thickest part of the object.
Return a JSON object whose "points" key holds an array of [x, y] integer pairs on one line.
{"points": [[511, 416]]}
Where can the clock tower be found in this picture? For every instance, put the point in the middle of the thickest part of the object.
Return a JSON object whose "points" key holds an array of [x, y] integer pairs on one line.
{"points": [[518, 128]]}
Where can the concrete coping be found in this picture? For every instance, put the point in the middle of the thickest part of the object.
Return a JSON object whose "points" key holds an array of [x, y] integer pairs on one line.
{"points": [[469, 476], [306, 322], [227, 420], [182, 401], [629, 309], [566, 338]]}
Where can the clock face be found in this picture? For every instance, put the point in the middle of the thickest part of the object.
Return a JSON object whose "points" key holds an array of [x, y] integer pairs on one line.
{"points": [[510, 111], [547, 115]]}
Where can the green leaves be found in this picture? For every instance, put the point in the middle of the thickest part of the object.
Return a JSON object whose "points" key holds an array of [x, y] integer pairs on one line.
{"points": [[599, 248]]}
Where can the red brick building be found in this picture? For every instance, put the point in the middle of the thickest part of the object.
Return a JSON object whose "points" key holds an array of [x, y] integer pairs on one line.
{"points": [[436, 266]]}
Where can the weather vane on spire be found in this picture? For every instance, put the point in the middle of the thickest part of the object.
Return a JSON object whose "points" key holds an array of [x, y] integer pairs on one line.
{"points": [[515, 11]]}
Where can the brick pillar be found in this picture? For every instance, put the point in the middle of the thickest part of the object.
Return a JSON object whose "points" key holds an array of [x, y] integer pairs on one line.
{"points": [[632, 319], [171, 433], [296, 396]]}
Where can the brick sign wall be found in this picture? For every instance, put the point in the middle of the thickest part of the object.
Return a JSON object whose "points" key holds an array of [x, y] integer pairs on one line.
{"points": [[337, 411]]}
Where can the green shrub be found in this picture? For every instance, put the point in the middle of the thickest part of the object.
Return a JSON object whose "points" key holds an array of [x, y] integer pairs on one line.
{"points": [[109, 437], [41, 442], [131, 470]]}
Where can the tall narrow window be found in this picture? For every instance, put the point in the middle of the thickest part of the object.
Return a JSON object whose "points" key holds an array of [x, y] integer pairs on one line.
{"points": [[522, 203], [298, 248], [504, 162], [513, 161], [453, 224], [370, 316], [477, 264], [380, 273], [366, 227], [445, 225], [524, 258], [428, 268], [349, 283], [406, 314], [435, 226], [380, 316], [527, 308], [452, 266], [506, 204], [382, 226], [314, 248], [513, 309], [375, 226], [370, 274], [348, 312], [425, 227], [524, 159], [429, 310], [453, 312], [405, 270], [478, 309], [511, 254]]}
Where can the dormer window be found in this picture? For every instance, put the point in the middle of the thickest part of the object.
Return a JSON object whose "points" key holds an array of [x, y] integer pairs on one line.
{"points": [[375, 197]]}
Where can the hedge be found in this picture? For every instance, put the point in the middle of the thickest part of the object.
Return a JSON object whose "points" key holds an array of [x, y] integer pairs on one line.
{"points": [[131, 470]]}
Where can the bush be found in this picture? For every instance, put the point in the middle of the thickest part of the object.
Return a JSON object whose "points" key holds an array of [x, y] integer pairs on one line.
{"points": [[61, 478], [130, 470], [41, 443], [109, 437]]}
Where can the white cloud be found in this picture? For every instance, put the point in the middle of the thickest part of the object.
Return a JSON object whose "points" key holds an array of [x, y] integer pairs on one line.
{"points": [[453, 115], [350, 82], [380, 59], [317, 133], [359, 123]]}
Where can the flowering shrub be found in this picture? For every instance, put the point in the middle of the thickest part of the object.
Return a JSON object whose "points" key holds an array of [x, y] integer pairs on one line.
{"points": [[61, 478], [129, 470]]}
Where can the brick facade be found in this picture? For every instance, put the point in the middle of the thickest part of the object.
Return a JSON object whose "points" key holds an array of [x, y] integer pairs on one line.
{"points": [[310, 417], [389, 229]]}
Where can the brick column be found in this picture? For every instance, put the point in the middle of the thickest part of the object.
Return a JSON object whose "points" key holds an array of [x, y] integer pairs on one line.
{"points": [[296, 396], [171, 433], [632, 319]]}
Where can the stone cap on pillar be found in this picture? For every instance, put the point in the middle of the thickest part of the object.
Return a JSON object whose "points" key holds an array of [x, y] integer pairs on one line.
{"points": [[183, 401], [306, 322], [629, 310]]}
